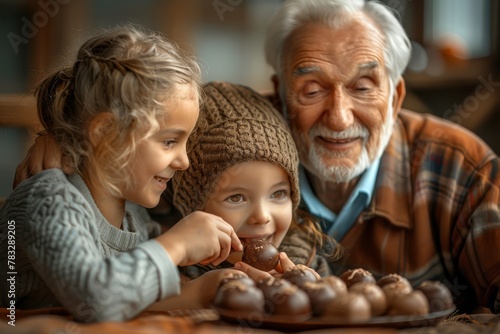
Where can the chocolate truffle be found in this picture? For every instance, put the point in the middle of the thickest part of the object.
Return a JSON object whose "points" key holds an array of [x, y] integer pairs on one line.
{"points": [[392, 278], [354, 276], [336, 283], [238, 296], [240, 277], [283, 298], [299, 274], [320, 294], [270, 286], [261, 254], [396, 288], [438, 295], [352, 307], [413, 303], [374, 295]]}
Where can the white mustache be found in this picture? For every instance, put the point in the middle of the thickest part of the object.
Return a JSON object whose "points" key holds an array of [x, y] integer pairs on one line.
{"points": [[354, 131]]}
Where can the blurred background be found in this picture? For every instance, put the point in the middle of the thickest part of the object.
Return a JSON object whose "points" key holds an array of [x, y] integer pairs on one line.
{"points": [[454, 71]]}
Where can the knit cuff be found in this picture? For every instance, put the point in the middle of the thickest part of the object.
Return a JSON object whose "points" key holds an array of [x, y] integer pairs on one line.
{"points": [[168, 275]]}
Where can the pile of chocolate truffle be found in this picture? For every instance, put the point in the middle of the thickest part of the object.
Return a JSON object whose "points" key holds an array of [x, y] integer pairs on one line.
{"points": [[354, 296]]}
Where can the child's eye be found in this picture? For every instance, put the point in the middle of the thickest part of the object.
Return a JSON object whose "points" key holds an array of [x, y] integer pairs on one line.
{"points": [[280, 194], [169, 143], [235, 199]]}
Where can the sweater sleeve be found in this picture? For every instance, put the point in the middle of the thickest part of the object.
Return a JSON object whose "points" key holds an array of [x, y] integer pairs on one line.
{"points": [[62, 242]]}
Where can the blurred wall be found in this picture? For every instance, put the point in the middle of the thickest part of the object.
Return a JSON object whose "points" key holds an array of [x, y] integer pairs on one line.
{"points": [[40, 36], [450, 61]]}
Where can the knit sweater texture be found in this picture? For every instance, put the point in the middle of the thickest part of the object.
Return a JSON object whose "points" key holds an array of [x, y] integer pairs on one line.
{"points": [[67, 254]]}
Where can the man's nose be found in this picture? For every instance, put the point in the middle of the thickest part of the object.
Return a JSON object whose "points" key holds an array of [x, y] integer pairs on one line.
{"points": [[338, 113]]}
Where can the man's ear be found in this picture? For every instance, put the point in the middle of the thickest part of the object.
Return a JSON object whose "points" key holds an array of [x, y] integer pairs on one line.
{"points": [[100, 126], [398, 96], [276, 99]]}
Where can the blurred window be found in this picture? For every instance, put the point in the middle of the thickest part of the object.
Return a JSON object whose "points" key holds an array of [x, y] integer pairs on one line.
{"points": [[465, 22]]}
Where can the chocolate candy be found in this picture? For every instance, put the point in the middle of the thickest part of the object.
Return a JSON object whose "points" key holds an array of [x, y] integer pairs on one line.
{"points": [[283, 298], [291, 301], [336, 283], [261, 254], [437, 294], [237, 295], [397, 288], [351, 277], [374, 295], [271, 285], [352, 307], [392, 278], [244, 279], [320, 294], [413, 303], [299, 274]]}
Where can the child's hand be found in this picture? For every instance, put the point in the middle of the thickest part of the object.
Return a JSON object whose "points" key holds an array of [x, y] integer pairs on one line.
{"points": [[200, 238], [284, 265], [197, 293]]}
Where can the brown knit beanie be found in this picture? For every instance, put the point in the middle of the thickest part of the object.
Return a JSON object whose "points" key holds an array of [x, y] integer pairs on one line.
{"points": [[236, 125]]}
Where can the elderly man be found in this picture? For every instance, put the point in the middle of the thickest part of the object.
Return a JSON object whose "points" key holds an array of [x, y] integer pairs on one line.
{"points": [[404, 193]]}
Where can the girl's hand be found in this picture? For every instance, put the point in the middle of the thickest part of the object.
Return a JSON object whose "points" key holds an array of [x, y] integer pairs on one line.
{"points": [[283, 266], [197, 293], [200, 238]]}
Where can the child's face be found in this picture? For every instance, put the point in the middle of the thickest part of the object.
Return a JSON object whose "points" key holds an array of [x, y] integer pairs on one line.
{"points": [[254, 198], [159, 156]]}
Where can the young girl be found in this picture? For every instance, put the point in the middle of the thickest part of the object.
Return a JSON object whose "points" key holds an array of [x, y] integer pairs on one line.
{"points": [[121, 116], [244, 168]]}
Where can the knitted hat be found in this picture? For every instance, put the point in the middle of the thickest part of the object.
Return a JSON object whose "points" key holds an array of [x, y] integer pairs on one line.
{"points": [[236, 125]]}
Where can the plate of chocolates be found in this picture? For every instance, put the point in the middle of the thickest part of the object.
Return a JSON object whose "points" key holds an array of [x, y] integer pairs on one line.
{"points": [[300, 301]]}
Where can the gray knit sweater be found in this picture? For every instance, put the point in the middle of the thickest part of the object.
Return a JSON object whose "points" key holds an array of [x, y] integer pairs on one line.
{"points": [[66, 253]]}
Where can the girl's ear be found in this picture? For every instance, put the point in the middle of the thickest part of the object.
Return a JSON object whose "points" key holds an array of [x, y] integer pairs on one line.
{"points": [[99, 127]]}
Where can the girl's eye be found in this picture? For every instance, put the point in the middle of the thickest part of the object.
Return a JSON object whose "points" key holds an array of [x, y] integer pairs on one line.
{"points": [[169, 143], [235, 199], [280, 194]]}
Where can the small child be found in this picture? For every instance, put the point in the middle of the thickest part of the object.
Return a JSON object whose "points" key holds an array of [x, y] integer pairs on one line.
{"points": [[244, 168], [121, 115]]}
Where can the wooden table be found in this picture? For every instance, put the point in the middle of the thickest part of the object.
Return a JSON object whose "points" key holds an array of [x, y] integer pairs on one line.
{"points": [[207, 322]]}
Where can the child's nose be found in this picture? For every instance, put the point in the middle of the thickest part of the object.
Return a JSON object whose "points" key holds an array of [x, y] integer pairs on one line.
{"points": [[181, 162], [260, 214]]}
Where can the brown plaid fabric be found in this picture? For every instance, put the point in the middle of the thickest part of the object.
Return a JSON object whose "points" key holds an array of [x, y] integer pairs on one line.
{"points": [[434, 213]]}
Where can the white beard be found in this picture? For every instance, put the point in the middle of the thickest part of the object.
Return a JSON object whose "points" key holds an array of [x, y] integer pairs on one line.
{"points": [[339, 174]]}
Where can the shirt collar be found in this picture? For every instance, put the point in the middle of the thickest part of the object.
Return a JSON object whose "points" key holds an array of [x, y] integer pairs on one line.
{"points": [[360, 196]]}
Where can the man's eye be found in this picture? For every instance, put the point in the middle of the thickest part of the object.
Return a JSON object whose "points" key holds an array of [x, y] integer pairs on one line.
{"points": [[311, 90], [235, 199], [363, 85]]}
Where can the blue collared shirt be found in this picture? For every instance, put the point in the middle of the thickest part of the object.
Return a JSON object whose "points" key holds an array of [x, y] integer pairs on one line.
{"points": [[331, 223]]}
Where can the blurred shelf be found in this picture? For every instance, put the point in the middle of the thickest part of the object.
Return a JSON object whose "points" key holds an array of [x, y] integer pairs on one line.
{"points": [[18, 110], [461, 73]]}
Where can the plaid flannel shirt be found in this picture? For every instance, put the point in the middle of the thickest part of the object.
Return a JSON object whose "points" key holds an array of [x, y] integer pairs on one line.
{"points": [[434, 214]]}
